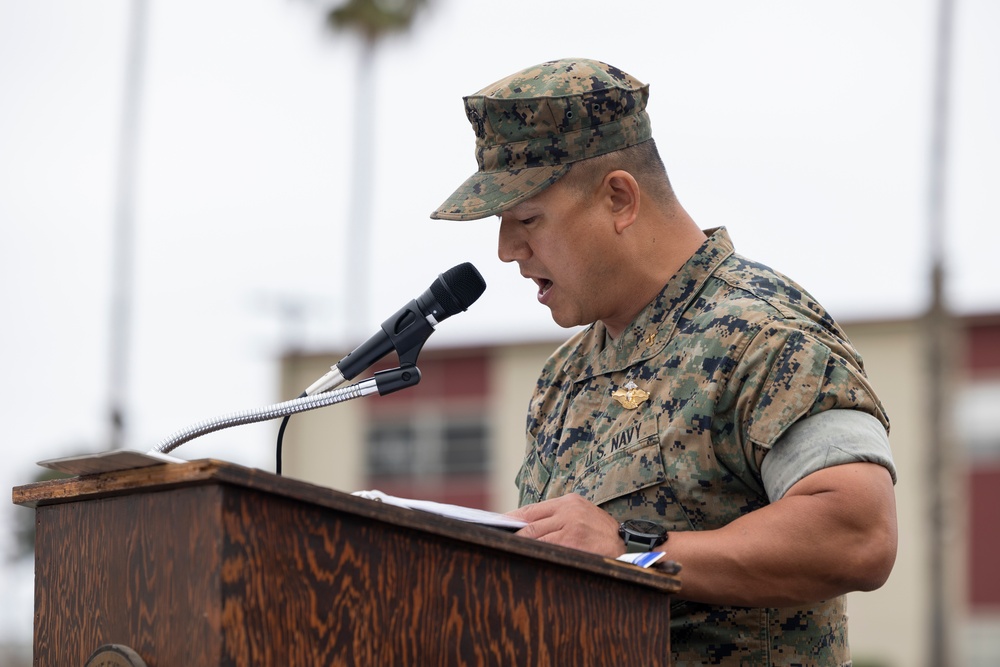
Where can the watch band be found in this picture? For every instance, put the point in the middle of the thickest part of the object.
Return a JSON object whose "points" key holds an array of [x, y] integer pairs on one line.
{"points": [[637, 546]]}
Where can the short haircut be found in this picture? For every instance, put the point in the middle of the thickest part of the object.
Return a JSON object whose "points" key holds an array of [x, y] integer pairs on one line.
{"points": [[641, 160]]}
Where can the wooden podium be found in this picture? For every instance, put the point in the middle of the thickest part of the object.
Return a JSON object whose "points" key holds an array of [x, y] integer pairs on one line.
{"points": [[210, 563]]}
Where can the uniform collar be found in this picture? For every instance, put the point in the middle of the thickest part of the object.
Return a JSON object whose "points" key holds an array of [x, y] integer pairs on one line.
{"points": [[647, 335]]}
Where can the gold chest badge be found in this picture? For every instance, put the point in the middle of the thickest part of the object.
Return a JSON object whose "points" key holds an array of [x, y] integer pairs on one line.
{"points": [[630, 396]]}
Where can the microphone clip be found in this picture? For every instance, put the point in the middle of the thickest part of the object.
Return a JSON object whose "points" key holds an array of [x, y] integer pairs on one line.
{"points": [[396, 378]]}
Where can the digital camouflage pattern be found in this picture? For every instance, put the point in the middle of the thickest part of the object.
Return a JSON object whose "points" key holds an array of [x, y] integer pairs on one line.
{"points": [[532, 125], [731, 354]]}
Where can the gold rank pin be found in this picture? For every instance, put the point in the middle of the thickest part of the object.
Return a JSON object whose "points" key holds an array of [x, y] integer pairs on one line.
{"points": [[630, 396]]}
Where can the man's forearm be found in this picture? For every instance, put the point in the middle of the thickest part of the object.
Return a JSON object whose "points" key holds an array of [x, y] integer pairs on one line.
{"points": [[834, 532]]}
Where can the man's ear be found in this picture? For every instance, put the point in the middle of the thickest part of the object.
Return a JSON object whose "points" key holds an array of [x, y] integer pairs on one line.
{"points": [[623, 192]]}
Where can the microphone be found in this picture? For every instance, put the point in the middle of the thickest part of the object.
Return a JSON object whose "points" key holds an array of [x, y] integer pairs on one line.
{"points": [[409, 328]]}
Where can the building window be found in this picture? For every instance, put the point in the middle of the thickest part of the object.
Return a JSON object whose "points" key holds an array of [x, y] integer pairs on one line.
{"points": [[432, 442], [427, 445], [391, 449], [465, 447]]}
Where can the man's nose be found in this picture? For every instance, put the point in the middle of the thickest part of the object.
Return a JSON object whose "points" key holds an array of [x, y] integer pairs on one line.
{"points": [[512, 245]]}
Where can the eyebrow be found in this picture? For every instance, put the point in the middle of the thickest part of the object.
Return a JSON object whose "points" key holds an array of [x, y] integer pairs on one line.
{"points": [[522, 208]]}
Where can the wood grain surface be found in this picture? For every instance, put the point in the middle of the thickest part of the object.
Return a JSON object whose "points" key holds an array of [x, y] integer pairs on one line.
{"points": [[220, 565]]}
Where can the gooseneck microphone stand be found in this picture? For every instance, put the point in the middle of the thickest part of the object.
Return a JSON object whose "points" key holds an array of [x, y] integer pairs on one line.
{"points": [[383, 382]]}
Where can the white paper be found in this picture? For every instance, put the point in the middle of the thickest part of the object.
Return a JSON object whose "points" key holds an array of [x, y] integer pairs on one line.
{"points": [[469, 514]]}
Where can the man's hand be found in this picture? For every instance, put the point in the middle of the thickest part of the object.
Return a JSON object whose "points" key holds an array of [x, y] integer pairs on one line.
{"points": [[572, 521]]}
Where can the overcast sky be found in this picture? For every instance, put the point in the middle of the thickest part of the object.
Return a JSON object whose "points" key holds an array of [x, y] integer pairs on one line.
{"points": [[802, 127]]}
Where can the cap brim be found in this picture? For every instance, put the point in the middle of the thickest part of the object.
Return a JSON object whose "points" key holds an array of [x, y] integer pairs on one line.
{"points": [[489, 193]]}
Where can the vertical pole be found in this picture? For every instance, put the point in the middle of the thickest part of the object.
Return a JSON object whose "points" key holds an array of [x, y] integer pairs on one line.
{"points": [[939, 461], [356, 286], [123, 245]]}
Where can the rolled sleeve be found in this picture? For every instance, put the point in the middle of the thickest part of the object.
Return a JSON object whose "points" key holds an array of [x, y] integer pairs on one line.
{"points": [[824, 440]]}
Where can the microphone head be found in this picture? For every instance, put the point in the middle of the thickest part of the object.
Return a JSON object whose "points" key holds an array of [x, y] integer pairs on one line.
{"points": [[456, 289]]}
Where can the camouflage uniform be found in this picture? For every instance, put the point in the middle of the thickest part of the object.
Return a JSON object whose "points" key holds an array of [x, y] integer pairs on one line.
{"points": [[731, 354]]}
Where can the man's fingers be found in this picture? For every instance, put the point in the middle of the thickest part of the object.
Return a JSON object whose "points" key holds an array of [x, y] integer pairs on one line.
{"points": [[535, 511], [540, 528]]}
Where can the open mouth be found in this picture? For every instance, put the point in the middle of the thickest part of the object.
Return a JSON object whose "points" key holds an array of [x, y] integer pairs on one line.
{"points": [[543, 286]]}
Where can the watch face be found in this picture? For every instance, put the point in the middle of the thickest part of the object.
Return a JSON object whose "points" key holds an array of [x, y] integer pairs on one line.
{"points": [[644, 529]]}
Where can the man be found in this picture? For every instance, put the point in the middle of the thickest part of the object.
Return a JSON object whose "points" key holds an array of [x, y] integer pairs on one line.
{"points": [[711, 409]]}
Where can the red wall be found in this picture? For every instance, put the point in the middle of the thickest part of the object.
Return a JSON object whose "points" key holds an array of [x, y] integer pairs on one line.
{"points": [[983, 349], [984, 537]]}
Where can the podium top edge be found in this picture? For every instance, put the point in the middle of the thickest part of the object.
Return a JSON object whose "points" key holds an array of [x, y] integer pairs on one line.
{"points": [[117, 482], [211, 471]]}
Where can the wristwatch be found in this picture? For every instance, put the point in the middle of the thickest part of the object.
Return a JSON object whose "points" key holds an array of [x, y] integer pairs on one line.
{"points": [[641, 535]]}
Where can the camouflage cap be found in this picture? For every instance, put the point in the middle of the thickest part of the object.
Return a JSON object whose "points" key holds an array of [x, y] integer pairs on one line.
{"points": [[532, 125]]}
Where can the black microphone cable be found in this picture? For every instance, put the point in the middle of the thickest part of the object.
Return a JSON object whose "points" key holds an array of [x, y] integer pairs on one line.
{"points": [[281, 437]]}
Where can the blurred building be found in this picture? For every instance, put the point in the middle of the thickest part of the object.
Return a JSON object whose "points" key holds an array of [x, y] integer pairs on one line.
{"points": [[458, 437]]}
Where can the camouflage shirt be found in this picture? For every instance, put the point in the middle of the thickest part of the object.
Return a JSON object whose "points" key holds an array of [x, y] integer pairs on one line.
{"points": [[730, 354]]}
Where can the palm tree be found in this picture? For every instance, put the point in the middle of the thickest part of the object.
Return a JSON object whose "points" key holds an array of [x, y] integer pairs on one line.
{"points": [[372, 20], [375, 18]]}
